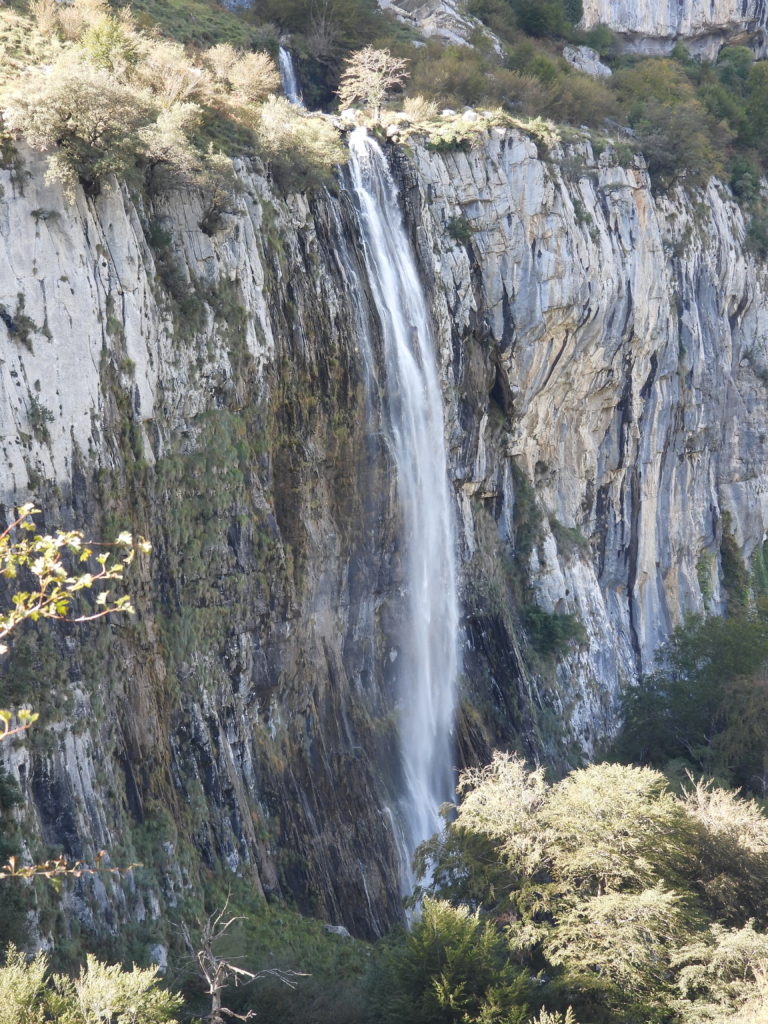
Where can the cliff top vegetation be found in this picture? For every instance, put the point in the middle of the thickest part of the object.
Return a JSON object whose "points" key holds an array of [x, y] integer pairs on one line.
{"points": [[175, 108]]}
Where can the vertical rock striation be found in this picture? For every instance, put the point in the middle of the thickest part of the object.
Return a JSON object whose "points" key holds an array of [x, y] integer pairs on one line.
{"points": [[603, 368], [652, 27]]}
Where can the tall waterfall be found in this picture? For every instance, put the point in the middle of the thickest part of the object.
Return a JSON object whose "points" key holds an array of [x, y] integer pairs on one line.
{"points": [[288, 79], [428, 658]]}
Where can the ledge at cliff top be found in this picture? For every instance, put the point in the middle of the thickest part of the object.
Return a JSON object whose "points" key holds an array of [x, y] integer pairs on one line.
{"points": [[652, 27]]}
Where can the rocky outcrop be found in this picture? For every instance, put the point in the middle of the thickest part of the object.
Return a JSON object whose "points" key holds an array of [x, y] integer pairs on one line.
{"points": [[442, 18], [585, 59], [604, 373], [650, 27]]}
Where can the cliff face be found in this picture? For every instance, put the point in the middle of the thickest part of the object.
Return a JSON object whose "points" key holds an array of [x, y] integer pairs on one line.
{"points": [[603, 366], [650, 27]]}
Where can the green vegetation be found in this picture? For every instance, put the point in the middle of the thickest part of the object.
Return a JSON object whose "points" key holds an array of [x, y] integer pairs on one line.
{"points": [[705, 709], [552, 633], [102, 993], [604, 893], [176, 79], [453, 966], [369, 75], [102, 96]]}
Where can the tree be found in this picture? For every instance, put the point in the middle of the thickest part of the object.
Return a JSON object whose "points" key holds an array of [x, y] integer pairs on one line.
{"points": [[723, 977], [369, 75], [705, 707], [84, 115], [455, 968], [219, 972]]}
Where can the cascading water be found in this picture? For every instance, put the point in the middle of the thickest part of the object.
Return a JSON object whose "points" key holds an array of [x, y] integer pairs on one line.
{"points": [[288, 79], [428, 660]]}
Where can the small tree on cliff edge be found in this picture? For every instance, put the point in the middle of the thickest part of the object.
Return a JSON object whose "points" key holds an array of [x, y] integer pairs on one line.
{"points": [[370, 74]]}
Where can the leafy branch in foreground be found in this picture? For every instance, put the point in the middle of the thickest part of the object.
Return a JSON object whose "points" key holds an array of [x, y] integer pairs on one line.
{"points": [[51, 560], [25, 719], [60, 866], [54, 595]]}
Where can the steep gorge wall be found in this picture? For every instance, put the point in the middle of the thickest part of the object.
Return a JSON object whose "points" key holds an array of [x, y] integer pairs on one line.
{"points": [[652, 27], [600, 349]]}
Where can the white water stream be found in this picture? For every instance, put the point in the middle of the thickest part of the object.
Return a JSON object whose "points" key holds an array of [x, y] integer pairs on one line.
{"points": [[288, 79], [427, 662]]}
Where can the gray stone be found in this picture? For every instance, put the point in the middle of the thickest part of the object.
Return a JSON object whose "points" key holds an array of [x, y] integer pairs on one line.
{"points": [[653, 27], [585, 59]]}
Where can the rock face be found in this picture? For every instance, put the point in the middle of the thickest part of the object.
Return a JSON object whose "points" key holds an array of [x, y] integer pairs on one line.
{"points": [[443, 19], [652, 27], [585, 59], [605, 381]]}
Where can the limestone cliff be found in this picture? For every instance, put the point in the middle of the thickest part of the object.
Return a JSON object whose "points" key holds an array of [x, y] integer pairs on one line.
{"points": [[650, 27], [604, 373]]}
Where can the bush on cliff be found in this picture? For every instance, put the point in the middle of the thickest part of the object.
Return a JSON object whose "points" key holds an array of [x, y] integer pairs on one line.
{"points": [[115, 100], [85, 118], [301, 151]]}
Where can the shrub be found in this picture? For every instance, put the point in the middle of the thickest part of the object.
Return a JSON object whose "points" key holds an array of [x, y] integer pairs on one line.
{"points": [[109, 45], [601, 38], [578, 99], [103, 993], [76, 18], [46, 15], [166, 70], [166, 150], [460, 230], [221, 59], [455, 969], [419, 108], [88, 118], [522, 93], [254, 77], [454, 74], [552, 633], [678, 142], [302, 150]]}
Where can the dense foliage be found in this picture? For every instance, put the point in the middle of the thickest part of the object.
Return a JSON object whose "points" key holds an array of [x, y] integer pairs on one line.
{"points": [[105, 97], [172, 102], [99, 993], [604, 892], [705, 709]]}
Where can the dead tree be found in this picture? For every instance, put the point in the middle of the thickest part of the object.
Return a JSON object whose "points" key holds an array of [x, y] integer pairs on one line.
{"points": [[219, 973]]}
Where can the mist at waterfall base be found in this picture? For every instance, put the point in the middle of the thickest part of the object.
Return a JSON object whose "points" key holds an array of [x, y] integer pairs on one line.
{"points": [[428, 657], [288, 79]]}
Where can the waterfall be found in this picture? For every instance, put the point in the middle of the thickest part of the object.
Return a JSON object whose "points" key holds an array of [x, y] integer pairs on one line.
{"points": [[427, 662], [288, 79]]}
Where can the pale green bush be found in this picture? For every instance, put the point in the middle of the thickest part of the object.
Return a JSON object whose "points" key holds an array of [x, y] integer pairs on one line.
{"points": [[85, 116], [302, 150]]}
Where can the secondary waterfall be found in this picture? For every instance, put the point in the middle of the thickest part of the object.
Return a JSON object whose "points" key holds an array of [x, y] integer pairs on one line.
{"points": [[288, 79], [428, 658]]}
